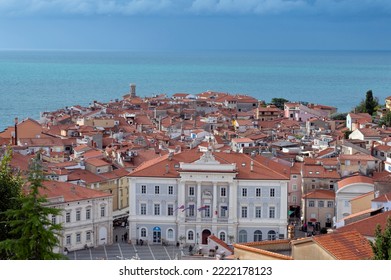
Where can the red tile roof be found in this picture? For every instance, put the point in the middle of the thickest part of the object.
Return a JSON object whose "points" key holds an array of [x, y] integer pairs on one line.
{"points": [[368, 225], [345, 245], [263, 168], [354, 180], [321, 194], [318, 171], [69, 191], [220, 242]]}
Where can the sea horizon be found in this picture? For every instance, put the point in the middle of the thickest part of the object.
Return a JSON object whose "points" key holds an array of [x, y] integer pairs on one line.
{"points": [[33, 81]]}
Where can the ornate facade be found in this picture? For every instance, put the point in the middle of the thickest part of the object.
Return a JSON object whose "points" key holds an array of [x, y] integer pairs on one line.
{"points": [[185, 197]]}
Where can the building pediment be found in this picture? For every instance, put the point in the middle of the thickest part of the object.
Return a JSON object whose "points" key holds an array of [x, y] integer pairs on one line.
{"points": [[208, 162]]}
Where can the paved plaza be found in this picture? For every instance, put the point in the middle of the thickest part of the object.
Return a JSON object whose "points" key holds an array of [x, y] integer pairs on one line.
{"points": [[125, 251]]}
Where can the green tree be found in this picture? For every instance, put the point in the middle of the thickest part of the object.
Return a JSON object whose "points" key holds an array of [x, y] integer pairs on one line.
{"points": [[36, 236], [347, 133], [368, 105], [386, 120], [10, 190], [381, 246], [339, 116], [279, 102]]}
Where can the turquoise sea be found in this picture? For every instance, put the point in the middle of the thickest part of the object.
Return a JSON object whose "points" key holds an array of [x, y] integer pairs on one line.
{"points": [[36, 81]]}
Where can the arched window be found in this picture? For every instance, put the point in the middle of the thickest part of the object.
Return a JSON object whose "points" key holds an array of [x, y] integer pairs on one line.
{"points": [[242, 236], [190, 235], [170, 234], [257, 235], [222, 236], [271, 235], [143, 232]]}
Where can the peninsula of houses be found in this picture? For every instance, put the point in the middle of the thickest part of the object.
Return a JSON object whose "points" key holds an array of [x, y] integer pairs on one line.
{"points": [[212, 167]]}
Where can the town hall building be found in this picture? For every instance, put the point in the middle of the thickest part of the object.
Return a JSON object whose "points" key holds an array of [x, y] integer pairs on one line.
{"points": [[187, 196]]}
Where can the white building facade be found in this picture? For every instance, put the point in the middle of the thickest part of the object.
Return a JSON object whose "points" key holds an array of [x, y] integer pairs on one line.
{"points": [[86, 215], [232, 196]]}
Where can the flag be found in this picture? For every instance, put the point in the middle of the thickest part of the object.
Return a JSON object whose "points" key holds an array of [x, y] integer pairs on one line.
{"points": [[180, 207], [189, 207], [203, 208]]}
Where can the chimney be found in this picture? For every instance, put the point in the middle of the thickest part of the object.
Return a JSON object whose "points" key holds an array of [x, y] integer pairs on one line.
{"points": [[16, 131], [167, 168], [252, 165]]}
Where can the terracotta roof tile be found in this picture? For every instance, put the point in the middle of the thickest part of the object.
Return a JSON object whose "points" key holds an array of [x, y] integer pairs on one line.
{"points": [[345, 245], [383, 198], [69, 191], [220, 242], [368, 225], [263, 168], [248, 247], [321, 194], [354, 180]]}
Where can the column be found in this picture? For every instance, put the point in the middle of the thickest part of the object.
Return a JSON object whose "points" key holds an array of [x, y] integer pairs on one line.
{"points": [[199, 201], [214, 205], [232, 209], [180, 216]]}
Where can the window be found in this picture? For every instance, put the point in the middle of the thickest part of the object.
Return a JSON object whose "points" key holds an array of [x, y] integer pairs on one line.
{"points": [[294, 199], [190, 235], [320, 203], [170, 190], [244, 211], [294, 187], [242, 236], [54, 220], [222, 236], [258, 192], [223, 191], [223, 211], [330, 204], [244, 192], [294, 176], [88, 236], [170, 210], [143, 209], [68, 217], [257, 235], [272, 212], [271, 235], [88, 214], [143, 232], [311, 203], [143, 189], [258, 212], [170, 234], [191, 191], [156, 209], [78, 215], [102, 211], [68, 240], [207, 211], [78, 237], [157, 189], [191, 210], [272, 192], [346, 203]]}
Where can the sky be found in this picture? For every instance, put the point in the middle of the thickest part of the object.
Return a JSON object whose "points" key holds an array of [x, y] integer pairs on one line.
{"points": [[175, 25]]}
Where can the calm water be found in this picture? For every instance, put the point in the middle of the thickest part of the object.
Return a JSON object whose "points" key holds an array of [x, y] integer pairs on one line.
{"points": [[36, 81]]}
